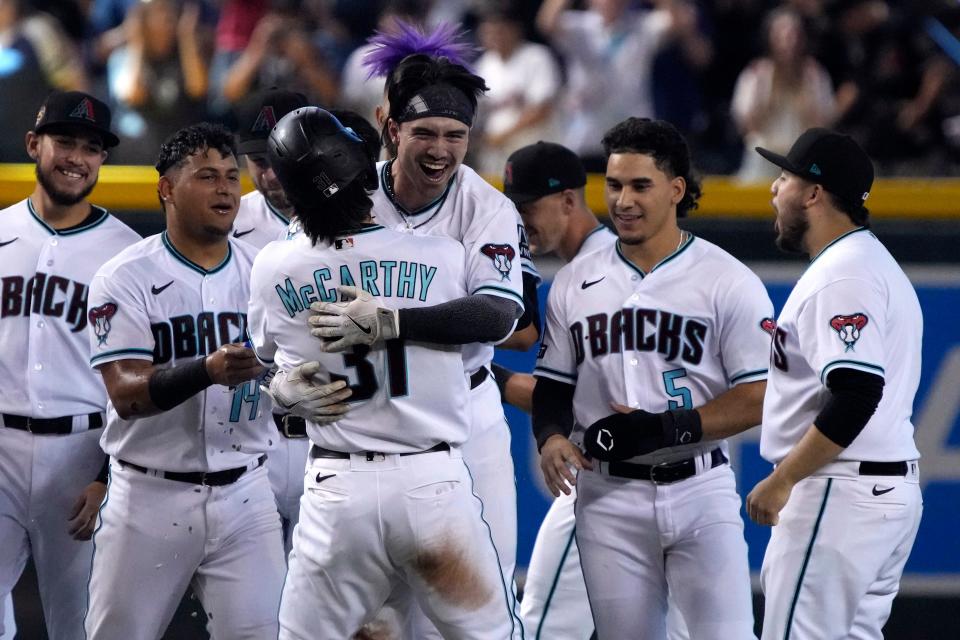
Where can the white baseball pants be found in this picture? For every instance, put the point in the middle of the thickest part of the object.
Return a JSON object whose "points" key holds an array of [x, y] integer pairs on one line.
{"points": [[638, 540], [371, 523], [40, 478], [286, 465], [834, 561], [157, 536]]}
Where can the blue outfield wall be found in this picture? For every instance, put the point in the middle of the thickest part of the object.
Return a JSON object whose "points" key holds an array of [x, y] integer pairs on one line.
{"points": [[934, 565]]}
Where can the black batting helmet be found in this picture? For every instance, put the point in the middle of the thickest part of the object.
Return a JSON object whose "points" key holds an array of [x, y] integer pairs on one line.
{"points": [[315, 156]]}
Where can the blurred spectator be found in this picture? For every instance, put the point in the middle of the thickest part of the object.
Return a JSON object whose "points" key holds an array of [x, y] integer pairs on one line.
{"points": [[891, 79], [608, 51], [360, 92], [35, 57], [677, 67], [280, 53], [106, 20], [158, 79], [524, 82], [238, 19], [780, 95]]}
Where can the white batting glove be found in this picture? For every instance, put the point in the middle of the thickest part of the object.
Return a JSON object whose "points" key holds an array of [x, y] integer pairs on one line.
{"points": [[356, 320], [301, 392]]}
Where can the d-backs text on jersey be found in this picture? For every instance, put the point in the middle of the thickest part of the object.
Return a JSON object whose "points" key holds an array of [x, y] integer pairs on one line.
{"points": [[386, 278], [640, 330], [193, 336], [41, 294]]}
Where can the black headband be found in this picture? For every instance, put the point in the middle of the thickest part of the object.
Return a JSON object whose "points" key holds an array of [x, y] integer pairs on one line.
{"points": [[439, 100]]}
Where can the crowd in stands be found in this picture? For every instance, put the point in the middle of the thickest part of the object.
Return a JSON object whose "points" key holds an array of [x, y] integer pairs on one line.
{"points": [[731, 74]]}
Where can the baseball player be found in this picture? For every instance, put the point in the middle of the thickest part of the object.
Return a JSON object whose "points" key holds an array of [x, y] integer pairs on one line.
{"points": [[844, 497], [51, 404], [427, 190], [265, 215], [546, 181], [189, 501], [388, 498], [265, 212], [664, 330]]}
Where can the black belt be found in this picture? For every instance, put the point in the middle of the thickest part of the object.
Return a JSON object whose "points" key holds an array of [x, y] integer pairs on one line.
{"points": [[290, 426], [209, 478], [883, 468], [478, 376], [49, 426], [319, 452], [666, 473]]}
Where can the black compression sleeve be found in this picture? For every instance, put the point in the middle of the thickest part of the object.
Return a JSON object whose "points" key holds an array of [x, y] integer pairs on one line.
{"points": [[854, 396], [477, 318], [500, 376], [170, 387], [552, 409], [531, 304]]}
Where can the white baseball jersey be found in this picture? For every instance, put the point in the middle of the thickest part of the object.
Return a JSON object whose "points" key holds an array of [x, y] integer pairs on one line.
{"points": [[152, 303], [853, 308], [672, 338], [43, 310], [484, 221], [258, 222], [395, 412]]}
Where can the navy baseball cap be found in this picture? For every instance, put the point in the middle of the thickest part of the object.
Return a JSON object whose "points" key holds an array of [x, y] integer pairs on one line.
{"points": [[541, 169], [76, 109], [831, 159], [258, 113]]}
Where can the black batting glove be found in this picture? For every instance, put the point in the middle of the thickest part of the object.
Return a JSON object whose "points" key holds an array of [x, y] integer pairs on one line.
{"points": [[624, 435]]}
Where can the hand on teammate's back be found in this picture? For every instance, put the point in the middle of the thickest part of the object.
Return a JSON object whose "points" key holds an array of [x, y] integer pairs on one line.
{"points": [[232, 364], [302, 392], [358, 319], [83, 514], [557, 455]]}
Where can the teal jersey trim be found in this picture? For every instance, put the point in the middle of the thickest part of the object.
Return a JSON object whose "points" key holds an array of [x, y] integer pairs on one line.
{"points": [[556, 580], [806, 559], [284, 219], [387, 186], [834, 364], [683, 247], [131, 351], [93, 220], [748, 374], [509, 597], [838, 239], [191, 264]]}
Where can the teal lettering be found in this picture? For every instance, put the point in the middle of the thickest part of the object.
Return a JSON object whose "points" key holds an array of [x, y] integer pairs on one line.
{"points": [[346, 278], [368, 277], [306, 293], [289, 298], [388, 266], [320, 276], [407, 282], [426, 277]]}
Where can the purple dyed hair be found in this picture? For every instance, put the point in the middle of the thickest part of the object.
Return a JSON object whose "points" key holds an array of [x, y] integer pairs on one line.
{"points": [[446, 41]]}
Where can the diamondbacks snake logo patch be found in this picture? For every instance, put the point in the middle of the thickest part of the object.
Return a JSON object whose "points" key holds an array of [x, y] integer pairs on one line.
{"points": [[848, 328], [100, 320], [502, 256]]}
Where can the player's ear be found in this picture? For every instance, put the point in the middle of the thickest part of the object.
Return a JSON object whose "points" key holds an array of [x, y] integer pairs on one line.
{"points": [[165, 188], [32, 142], [393, 130], [679, 189]]}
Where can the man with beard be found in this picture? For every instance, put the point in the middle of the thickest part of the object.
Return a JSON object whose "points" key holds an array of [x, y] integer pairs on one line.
{"points": [[52, 405], [836, 416], [654, 352], [266, 212]]}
